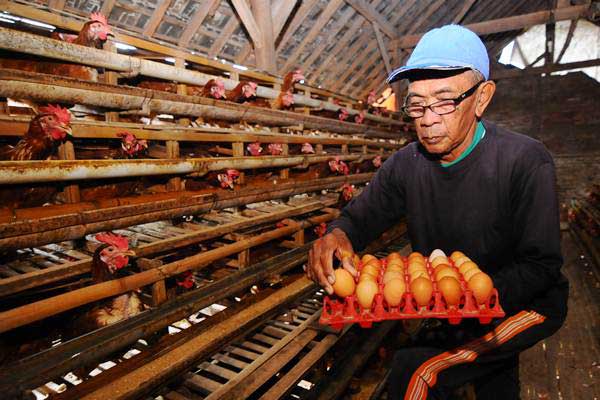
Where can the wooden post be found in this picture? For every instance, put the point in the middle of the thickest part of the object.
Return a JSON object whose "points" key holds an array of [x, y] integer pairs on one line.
{"points": [[174, 184], [285, 172], [238, 151], [66, 151], [265, 51], [111, 78], [159, 289]]}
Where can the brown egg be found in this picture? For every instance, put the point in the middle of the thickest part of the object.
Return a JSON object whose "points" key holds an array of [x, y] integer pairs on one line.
{"points": [[416, 267], [370, 269], [389, 275], [394, 255], [356, 259], [439, 260], [422, 289], [481, 285], [450, 288], [367, 277], [459, 261], [393, 291], [444, 272], [397, 262], [467, 265], [374, 262], [415, 254], [418, 274], [456, 255], [344, 283], [439, 267], [368, 257], [469, 274], [365, 293], [395, 268]]}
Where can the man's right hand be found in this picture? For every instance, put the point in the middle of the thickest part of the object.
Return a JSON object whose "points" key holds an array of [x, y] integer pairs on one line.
{"points": [[320, 258]]}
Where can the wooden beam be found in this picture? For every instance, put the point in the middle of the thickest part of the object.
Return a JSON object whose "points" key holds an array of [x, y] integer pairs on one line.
{"points": [[297, 20], [384, 53], [196, 21], [243, 10], [516, 22], [316, 29], [317, 51], [371, 14], [107, 7], [463, 11], [56, 4], [265, 49], [157, 16], [546, 69], [223, 36], [281, 14]]}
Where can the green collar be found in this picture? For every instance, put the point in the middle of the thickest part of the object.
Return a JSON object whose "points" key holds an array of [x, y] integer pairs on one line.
{"points": [[479, 134]]}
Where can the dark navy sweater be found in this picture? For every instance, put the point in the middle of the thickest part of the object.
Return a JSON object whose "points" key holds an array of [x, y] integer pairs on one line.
{"points": [[498, 206]]}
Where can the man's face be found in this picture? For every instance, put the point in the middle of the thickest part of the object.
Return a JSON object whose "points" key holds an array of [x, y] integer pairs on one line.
{"points": [[444, 135]]}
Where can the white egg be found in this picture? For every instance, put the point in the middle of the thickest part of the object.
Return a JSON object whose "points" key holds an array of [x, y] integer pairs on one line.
{"points": [[436, 253]]}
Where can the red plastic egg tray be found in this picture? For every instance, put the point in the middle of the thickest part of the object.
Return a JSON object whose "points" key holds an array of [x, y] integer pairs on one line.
{"points": [[338, 312]]}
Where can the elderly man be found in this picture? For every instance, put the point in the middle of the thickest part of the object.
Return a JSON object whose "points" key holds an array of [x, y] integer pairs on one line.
{"points": [[466, 185]]}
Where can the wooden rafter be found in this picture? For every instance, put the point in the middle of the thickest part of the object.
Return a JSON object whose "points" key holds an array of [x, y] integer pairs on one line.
{"points": [[243, 10], [317, 26], [516, 22], [107, 7], [342, 64], [545, 69], [56, 4], [157, 16], [295, 23], [281, 13], [362, 60], [223, 37], [423, 18], [365, 63], [384, 53], [463, 11], [317, 51], [371, 14], [341, 45], [196, 21]]}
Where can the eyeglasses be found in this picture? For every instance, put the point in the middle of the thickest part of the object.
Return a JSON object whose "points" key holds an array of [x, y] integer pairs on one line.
{"points": [[439, 107]]}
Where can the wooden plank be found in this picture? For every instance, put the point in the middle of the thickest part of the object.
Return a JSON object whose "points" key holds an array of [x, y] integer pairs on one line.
{"points": [[201, 383], [196, 21], [56, 4], [512, 23], [234, 362], [226, 32], [317, 26], [218, 370], [107, 7], [463, 11], [156, 18], [281, 13], [370, 13], [254, 347], [382, 50], [288, 380], [243, 10], [241, 352]]}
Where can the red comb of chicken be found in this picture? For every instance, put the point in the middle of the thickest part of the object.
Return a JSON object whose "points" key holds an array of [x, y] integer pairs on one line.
{"points": [[347, 191], [275, 149], [372, 97], [321, 229], [185, 280], [360, 117], [113, 239], [307, 148], [99, 17], [297, 75], [377, 161], [254, 148], [343, 114], [62, 114]]}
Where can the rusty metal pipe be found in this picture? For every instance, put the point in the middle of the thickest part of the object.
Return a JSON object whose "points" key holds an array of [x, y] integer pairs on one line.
{"points": [[38, 310], [42, 46], [19, 172]]}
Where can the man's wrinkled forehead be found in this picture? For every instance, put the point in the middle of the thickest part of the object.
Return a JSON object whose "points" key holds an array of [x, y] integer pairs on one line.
{"points": [[421, 85]]}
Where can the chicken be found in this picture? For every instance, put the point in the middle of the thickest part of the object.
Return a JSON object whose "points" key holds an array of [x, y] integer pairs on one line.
{"points": [[50, 126], [131, 146], [286, 97], [244, 91], [307, 149], [214, 88], [321, 229], [359, 118], [346, 194], [93, 34], [339, 167], [224, 180], [255, 149], [109, 258], [275, 149], [366, 165]]}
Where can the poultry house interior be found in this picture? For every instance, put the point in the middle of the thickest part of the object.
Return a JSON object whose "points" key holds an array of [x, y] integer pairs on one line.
{"points": [[169, 168]]}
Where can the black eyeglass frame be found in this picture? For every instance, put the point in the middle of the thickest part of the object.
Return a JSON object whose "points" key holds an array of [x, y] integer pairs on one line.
{"points": [[456, 100]]}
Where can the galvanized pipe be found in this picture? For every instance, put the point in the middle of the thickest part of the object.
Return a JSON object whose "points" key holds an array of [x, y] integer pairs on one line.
{"points": [[19, 172], [42, 46]]}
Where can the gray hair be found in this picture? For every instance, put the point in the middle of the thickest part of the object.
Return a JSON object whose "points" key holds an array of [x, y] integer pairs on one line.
{"points": [[477, 76]]}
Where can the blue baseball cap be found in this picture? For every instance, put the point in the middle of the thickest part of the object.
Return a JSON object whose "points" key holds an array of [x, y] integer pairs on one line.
{"points": [[447, 48]]}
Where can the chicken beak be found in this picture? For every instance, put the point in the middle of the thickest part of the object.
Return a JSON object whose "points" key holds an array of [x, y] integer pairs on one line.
{"points": [[67, 129], [129, 253]]}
